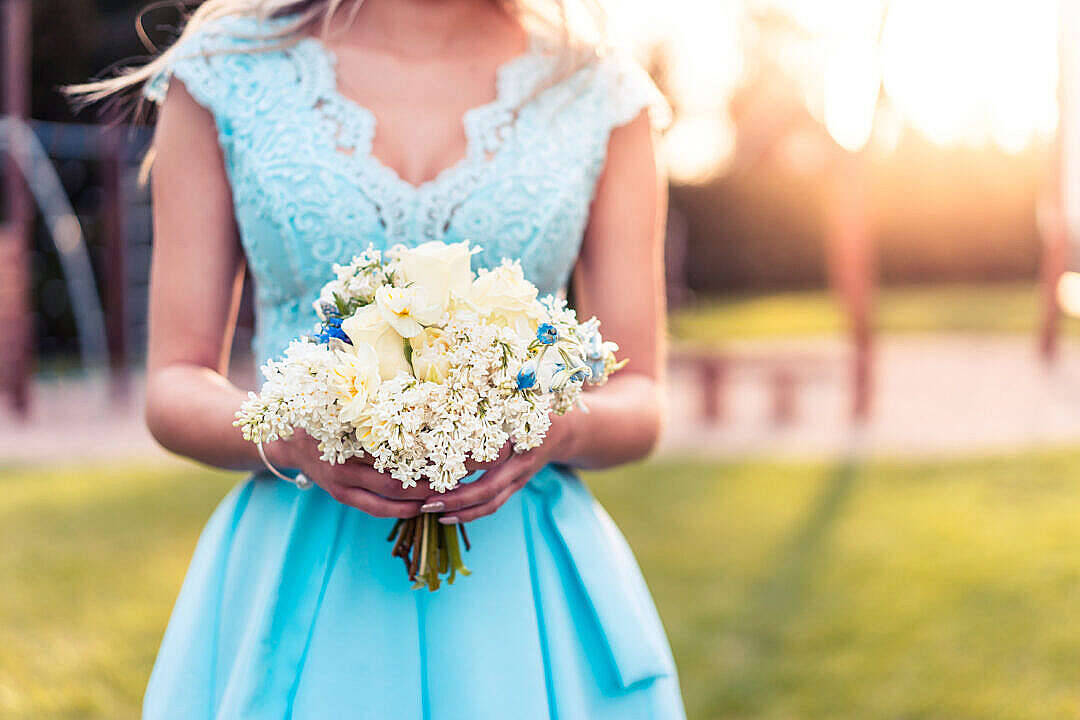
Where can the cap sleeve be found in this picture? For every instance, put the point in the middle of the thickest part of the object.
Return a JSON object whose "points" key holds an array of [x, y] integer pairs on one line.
{"points": [[630, 90], [208, 60]]}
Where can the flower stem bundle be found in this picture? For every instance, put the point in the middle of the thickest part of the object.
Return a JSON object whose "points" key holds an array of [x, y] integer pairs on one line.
{"points": [[430, 550], [423, 365]]}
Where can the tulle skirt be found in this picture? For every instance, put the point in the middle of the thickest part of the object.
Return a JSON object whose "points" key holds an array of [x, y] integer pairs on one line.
{"points": [[293, 607]]}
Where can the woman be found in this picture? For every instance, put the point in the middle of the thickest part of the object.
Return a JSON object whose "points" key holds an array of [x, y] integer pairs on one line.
{"points": [[292, 136]]}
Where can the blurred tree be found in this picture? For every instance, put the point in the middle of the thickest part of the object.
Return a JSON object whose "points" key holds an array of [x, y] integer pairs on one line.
{"points": [[74, 41], [65, 42], [944, 214], [941, 214]]}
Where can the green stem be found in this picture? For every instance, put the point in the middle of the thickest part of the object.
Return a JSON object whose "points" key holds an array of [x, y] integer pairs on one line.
{"points": [[414, 548], [424, 539], [394, 530], [431, 534], [430, 550], [454, 550], [444, 558]]}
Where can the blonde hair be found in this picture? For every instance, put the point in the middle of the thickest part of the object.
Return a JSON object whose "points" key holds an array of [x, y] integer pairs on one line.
{"points": [[580, 34]]}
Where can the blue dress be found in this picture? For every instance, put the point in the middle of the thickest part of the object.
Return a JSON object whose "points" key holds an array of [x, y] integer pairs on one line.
{"points": [[292, 606]]}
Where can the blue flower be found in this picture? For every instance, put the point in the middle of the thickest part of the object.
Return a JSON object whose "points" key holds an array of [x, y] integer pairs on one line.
{"points": [[547, 334], [526, 377], [597, 366], [561, 375], [334, 331], [333, 321], [594, 346]]}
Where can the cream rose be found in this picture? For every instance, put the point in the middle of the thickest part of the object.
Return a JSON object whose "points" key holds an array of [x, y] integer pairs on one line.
{"points": [[369, 327], [408, 309], [504, 296], [442, 270], [356, 379], [429, 355]]}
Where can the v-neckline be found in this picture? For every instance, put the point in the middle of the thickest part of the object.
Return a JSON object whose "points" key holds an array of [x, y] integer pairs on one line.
{"points": [[508, 92]]}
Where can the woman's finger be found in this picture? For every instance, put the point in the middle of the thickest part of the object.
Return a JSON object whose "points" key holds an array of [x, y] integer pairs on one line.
{"points": [[373, 504], [505, 453], [483, 490], [364, 459], [478, 511], [380, 483], [474, 493]]}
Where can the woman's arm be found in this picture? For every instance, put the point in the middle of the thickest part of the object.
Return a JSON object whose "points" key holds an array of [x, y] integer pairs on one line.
{"points": [[195, 282], [194, 276], [619, 278]]}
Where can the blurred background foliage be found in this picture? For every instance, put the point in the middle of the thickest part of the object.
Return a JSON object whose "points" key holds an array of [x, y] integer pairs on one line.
{"points": [[945, 215], [943, 212]]}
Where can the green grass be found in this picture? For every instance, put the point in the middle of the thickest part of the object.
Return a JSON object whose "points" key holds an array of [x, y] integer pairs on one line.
{"points": [[889, 590], [998, 308]]}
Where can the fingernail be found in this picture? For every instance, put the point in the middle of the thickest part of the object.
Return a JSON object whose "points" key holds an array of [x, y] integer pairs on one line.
{"points": [[449, 520], [431, 507]]}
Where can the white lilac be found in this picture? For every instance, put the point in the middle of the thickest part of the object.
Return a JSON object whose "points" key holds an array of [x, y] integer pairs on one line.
{"points": [[422, 365]]}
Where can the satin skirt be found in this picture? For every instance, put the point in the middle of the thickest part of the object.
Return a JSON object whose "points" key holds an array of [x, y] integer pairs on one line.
{"points": [[293, 608]]}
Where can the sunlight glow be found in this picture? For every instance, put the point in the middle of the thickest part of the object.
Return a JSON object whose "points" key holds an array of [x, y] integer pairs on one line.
{"points": [[971, 72], [702, 47], [1068, 293], [851, 84], [965, 72]]}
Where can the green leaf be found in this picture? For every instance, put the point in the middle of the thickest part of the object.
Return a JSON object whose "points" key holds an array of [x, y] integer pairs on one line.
{"points": [[342, 306]]}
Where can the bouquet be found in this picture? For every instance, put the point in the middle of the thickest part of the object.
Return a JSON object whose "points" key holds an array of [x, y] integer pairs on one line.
{"points": [[421, 364]]}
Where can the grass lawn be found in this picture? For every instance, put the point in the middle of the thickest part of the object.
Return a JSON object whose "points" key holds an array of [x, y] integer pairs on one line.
{"points": [[890, 590], [997, 308]]}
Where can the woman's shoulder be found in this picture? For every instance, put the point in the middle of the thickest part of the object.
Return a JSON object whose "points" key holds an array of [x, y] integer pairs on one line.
{"points": [[237, 33], [606, 87], [217, 55], [627, 89]]}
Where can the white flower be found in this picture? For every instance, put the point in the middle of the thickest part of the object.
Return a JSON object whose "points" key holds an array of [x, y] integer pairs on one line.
{"points": [[368, 326], [479, 375], [355, 379], [368, 430], [439, 268], [554, 373], [430, 355], [408, 309], [354, 283], [505, 297]]}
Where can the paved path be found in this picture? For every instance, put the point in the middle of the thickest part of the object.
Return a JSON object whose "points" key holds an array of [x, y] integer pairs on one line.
{"points": [[73, 419], [935, 395]]}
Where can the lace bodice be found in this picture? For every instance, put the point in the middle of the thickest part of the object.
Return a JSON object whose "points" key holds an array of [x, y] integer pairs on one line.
{"points": [[308, 192]]}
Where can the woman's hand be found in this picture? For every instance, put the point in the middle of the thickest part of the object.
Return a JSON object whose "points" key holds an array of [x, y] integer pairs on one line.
{"points": [[502, 479], [355, 483]]}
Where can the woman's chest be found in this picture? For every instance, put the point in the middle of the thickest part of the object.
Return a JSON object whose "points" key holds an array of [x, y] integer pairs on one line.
{"points": [[311, 189], [303, 208], [417, 108]]}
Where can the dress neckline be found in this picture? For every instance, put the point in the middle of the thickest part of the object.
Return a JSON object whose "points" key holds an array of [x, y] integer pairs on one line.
{"points": [[484, 125]]}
